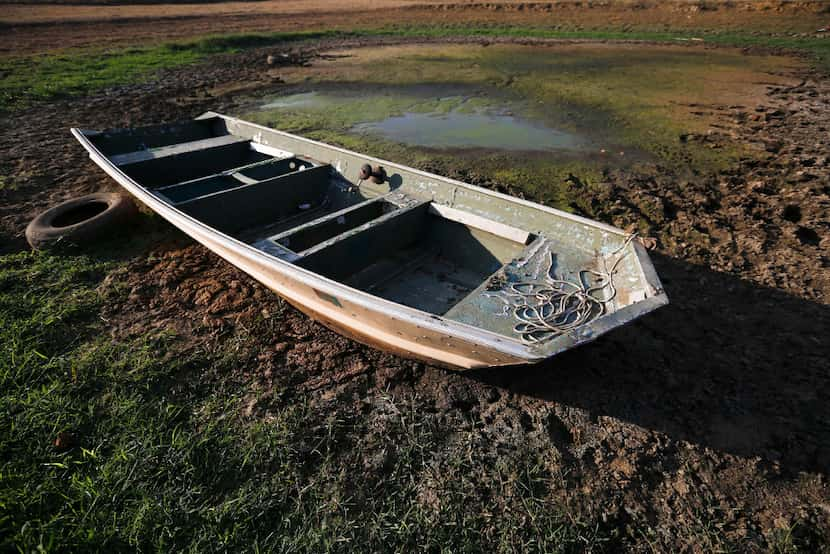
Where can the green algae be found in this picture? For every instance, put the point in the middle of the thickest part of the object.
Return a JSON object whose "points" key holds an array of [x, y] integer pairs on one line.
{"points": [[473, 130], [430, 117]]}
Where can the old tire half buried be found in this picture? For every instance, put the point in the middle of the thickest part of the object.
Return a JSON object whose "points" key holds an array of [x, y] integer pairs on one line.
{"points": [[81, 220]]}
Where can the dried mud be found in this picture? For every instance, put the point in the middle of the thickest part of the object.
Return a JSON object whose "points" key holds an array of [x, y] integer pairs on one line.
{"points": [[713, 409]]}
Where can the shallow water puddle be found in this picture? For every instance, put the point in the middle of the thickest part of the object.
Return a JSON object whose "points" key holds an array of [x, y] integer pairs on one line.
{"points": [[420, 116], [302, 100], [472, 130]]}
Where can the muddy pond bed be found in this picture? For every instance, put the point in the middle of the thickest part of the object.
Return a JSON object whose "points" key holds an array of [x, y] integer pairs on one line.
{"points": [[443, 116], [530, 117]]}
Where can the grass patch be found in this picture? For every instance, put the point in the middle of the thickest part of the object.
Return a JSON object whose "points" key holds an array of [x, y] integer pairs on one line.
{"points": [[27, 79], [156, 453], [49, 76]]}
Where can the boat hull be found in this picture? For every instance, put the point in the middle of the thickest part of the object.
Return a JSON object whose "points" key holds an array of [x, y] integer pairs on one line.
{"points": [[319, 300], [456, 341], [370, 327]]}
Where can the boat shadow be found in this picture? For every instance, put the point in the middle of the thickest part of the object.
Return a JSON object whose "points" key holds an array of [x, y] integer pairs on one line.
{"points": [[728, 364]]}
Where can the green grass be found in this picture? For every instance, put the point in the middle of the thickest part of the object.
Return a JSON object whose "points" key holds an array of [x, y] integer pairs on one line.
{"points": [[25, 79], [49, 76], [163, 457]]}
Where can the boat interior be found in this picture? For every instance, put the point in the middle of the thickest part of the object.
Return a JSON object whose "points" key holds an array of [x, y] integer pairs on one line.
{"points": [[387, 241]]}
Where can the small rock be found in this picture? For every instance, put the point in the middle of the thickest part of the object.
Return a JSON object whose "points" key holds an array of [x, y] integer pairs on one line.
{"points": [[64, 441], [621, 465], [773, 147], [650, 243]]}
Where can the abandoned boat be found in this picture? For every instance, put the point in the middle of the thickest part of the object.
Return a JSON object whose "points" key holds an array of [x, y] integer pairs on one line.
{"points": [[414, 263]]}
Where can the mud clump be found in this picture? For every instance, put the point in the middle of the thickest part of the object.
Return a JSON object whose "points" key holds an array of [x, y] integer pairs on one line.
{"points": [[792, 213], [807, 236]]}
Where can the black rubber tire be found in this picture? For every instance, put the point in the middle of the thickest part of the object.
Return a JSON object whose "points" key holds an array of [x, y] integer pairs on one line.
{"points": [[81, 220]]}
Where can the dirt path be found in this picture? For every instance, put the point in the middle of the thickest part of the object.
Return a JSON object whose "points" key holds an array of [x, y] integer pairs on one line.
{"points": [[713, 410]]}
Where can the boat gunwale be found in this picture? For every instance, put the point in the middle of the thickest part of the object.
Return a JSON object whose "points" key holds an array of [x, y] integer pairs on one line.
{"points": [[528, 353]]}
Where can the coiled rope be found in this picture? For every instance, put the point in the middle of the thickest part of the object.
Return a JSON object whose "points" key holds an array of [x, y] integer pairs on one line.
{"points": [[550, 307]]}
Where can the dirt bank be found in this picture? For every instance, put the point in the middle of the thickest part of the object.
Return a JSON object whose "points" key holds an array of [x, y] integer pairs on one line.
{"points": [[31, 28], [711, 412]]}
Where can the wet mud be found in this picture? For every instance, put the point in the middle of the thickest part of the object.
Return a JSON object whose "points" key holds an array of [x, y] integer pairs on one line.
{"points": [[436, 117]]}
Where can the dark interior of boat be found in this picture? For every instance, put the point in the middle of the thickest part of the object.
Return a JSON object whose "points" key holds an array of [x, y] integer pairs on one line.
{"points": [[393, 245]]}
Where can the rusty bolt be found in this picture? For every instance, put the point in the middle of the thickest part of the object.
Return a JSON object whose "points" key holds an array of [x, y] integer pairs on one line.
{"points": [[378, 174]]}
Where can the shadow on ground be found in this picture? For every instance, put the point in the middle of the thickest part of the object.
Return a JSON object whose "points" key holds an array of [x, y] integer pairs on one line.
{"points": [[728, 365]]}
